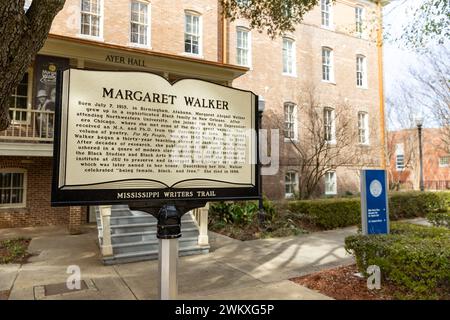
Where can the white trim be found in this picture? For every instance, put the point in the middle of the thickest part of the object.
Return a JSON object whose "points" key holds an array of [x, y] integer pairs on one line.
{"points": [[23, 204], [363, 71], [291, 195], [446, 165], [200, 33], [330, 25], [100, 24], [294, 57], [249, 46], [334, 182], [330, 65], [149, 26], [29, 99]]}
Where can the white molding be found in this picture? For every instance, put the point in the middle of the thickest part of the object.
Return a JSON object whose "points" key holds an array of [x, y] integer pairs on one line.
{"points": [[26, 149]]}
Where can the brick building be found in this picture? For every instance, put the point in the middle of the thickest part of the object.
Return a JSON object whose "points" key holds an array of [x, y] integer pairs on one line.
{"points": [[403, 152], [334, 54]]}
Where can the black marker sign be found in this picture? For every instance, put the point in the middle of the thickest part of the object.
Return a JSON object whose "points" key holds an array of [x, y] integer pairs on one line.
{"points": [[132, 136]]}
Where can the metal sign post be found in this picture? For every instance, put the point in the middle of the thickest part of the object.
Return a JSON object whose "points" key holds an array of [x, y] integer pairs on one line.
{"points": [[374, 202], [134, 138], [168, 269]]}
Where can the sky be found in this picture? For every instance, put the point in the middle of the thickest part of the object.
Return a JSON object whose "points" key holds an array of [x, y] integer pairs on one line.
{"points": [[397, 61]]}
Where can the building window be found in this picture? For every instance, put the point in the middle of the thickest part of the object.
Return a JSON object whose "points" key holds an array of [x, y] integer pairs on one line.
{"points": [[91, 18], [363, 127], [326, 13], [243, 46], [20, 99], [361, 74], [290, 183], [329, 126], [288, 57], [290, 121], [192, 33], [444, 162], [399, 157], [330, 183], [139, 23], [327, 65], [359, 16], [12, 188]]}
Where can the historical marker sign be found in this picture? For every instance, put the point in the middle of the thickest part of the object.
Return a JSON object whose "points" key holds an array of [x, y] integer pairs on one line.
{"points": [[374, 202], [132, 136]]}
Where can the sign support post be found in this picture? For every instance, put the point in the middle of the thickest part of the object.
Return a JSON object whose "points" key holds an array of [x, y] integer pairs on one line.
{"points": [[168, 269]]}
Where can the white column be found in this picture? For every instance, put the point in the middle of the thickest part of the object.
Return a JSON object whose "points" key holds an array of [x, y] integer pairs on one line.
{"points": [[168, 265], [80, 63], [105, 216], [203, 239]]}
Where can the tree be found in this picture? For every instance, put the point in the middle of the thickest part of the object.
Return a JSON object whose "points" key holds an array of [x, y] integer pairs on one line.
{"points": [[22, 35], [428, 23], [272, 16], [432, 90], [312, 152]]}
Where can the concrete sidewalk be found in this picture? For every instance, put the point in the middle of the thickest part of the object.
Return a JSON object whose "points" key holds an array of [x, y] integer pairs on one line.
{"points": [[257, 269]]}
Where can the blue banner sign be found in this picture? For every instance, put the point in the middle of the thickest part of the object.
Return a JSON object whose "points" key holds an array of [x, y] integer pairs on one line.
{"points": [[374, 202]]}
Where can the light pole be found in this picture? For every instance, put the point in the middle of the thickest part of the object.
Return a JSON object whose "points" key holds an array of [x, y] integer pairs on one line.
{"points": [[419, 123], [261, 212]]}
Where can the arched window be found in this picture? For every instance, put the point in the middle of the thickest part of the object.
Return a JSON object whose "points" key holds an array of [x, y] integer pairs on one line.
{"points": [[291, 184], [289, 57], [13, 187], [192, 33], [327, 64]]}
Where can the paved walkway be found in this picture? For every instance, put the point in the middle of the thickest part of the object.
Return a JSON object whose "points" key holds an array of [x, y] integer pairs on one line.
{"points": [[257, 269]]}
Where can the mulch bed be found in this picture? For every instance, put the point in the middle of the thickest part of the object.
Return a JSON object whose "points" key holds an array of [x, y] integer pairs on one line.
{"points": [[342, 284], [4, 295], [14, 251]]}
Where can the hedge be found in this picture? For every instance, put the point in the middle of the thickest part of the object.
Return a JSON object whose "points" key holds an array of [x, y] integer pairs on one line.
{"points": [[335, 213], [415, 258]]}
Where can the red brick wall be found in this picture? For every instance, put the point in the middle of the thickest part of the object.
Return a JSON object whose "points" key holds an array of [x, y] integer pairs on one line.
{"points": [[38, 211]]}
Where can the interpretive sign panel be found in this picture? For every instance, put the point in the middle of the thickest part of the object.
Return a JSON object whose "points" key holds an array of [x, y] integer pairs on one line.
{"points": [[374, 202], [133, 136]]}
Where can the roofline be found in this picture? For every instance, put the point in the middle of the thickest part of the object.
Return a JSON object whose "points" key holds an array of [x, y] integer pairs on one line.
{"points": [[236, 68]]}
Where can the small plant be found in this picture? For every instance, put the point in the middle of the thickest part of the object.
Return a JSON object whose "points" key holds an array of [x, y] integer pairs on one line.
{"points": [[13, 250]]}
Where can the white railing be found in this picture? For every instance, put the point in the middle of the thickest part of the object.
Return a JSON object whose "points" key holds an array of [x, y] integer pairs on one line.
{"points": [[30, 125]]}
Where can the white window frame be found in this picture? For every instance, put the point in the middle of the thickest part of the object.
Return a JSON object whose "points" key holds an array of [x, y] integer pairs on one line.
{"points": [[444, 163], [361, 71], [23, 204], [100, 23], [294, 184], [148, 25], [239, 49], [329, 125], [359, 20], [29, 100], [328, 64], [399, 153], [330, 177], [289, 55], [27, 5], [363, 128], [326, 8], [200, 33], [290, 119]]}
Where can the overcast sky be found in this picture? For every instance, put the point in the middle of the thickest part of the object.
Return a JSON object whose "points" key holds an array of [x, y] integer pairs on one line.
{"points": [[397, 61]]}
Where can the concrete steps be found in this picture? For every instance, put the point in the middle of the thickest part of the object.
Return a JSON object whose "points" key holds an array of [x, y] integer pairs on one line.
{"points": [[133, 236]]}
